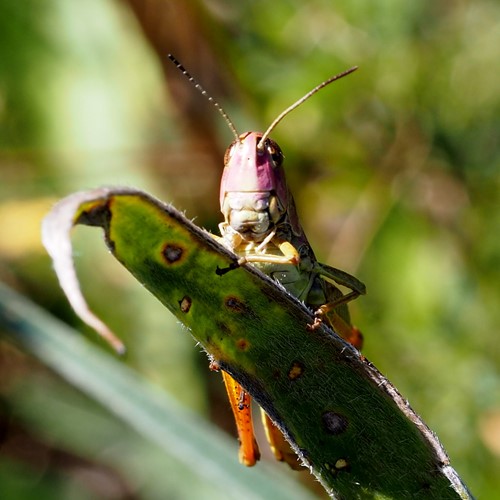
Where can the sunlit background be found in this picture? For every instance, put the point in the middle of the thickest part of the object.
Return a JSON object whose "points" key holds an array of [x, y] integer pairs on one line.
{"points": [[395, 171]]}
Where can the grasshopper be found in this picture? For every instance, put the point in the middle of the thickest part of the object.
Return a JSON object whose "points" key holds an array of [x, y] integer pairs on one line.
{"points": [[261, 227]]}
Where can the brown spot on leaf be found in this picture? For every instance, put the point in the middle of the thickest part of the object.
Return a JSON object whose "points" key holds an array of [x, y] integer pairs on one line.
{"points": [[96, 213], [334, 423], [185, 304], [243, 344], [296, 371], [235, 304], [172, 253]]}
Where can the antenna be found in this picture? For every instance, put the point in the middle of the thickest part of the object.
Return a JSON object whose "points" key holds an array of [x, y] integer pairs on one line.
{"points": [[260, 146], [204, 92]]}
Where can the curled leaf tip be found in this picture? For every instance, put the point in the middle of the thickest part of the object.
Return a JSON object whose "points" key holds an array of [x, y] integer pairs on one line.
{"points": [[56, 229], [117, 345]]}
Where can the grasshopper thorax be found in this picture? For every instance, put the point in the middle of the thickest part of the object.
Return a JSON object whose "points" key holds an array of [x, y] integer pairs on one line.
{"points": [[253, 193]]}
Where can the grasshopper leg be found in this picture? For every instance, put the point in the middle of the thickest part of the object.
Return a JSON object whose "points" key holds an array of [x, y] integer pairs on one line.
{"points": [[348, 332], [331, 306], [240, 403], [280, 447], [342, 278], [334, 312], [290, 255]]}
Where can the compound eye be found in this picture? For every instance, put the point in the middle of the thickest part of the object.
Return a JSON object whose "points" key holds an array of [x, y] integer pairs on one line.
{"points": [[229, 152], [274, 150]]}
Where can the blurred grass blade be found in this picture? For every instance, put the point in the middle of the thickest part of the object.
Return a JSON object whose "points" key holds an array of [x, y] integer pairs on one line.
{"points": [[203, 448], [344, 419]]}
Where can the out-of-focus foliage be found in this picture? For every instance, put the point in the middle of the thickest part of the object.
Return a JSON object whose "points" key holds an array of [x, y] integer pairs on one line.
{"points": [[395, 171]]}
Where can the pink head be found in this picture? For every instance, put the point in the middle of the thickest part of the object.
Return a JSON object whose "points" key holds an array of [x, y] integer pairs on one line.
{"points": [[253, 194], [250, 169]]}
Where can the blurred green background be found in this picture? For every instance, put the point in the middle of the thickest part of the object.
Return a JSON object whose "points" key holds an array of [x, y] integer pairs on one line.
{"points": [[395, 171]]}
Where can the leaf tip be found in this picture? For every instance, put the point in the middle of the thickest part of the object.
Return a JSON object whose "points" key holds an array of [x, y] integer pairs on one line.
{"points": [[118, 346], [56, 228]]}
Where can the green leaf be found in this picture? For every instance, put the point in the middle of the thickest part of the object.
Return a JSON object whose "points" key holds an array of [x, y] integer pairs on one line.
{"points": [[345, 420]]}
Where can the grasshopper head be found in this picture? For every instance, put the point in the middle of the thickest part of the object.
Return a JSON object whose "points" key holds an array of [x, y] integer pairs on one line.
{"points": [[253, 194]]}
